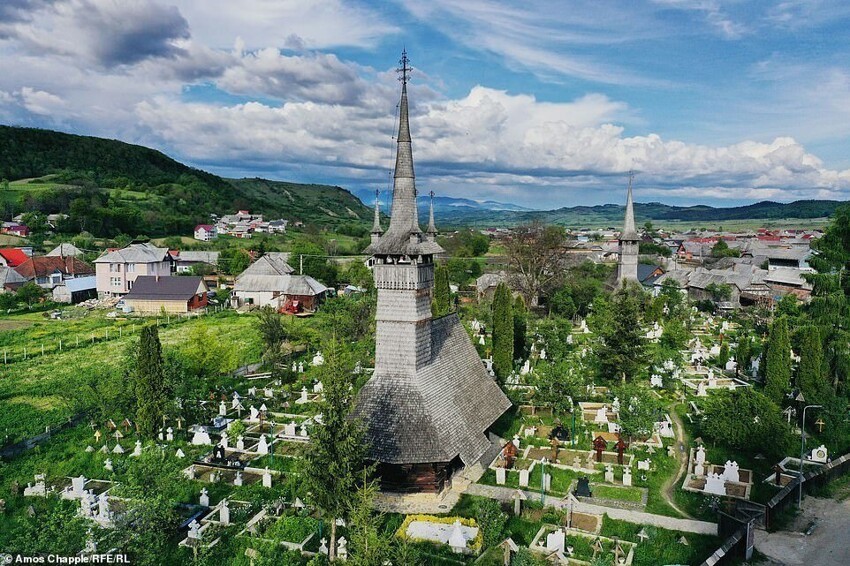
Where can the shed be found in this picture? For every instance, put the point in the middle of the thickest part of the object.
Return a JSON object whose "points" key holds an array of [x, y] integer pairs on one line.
{"points": [[151, 294]]}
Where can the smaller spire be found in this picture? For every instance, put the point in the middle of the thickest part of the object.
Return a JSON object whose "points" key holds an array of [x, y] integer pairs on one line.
{"points": [[432, 228], [376, 226], [629, 231]]}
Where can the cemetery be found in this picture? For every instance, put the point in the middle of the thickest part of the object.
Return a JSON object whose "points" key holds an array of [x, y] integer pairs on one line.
{"points": [[408, 425]]}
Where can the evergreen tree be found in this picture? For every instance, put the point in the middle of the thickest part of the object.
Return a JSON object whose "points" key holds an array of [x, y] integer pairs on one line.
{"points": [[503, 332], [334, 464], [442, 303], [811, 377], [520, 328], [744, 354], [723, 356], [367, 547], [622, 350], [149, 382], [777, 371]]}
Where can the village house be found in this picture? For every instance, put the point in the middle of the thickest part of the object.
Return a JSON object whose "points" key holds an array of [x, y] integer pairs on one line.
{"points": [[13, 257], [185, 261], [117, 269], [50, 271], [486, 285], [10, 280], [271, 281], [65, 250], [206, 232], [152, 294], [76, 290], [15, 229]]}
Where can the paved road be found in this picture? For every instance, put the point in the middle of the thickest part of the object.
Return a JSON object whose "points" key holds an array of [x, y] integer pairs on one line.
{"points": [[826, 546], [685, 525]]}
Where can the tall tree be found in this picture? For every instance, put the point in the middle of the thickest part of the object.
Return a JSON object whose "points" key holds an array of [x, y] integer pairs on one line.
{"points": [[149, 382], [503, 332], [811, 377], [777, 371], [520, 313], [535, 253], [367, 546], [622, 351], [334, 464], [442, 303]]}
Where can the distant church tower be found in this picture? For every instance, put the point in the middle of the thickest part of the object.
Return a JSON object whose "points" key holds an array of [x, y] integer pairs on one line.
{"points": [[629, 243], [430, 402]]}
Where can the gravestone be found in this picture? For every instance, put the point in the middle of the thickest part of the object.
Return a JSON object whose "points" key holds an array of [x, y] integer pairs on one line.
{"points": [[190, 472], [323, 546], [107, 465], [194, 530], [342, 548], [318, 387], [289, 429], [253, 413], [609, 473], [715, 484], [523, 478], [201, 437], [303, 431], [730, 472], [577, 462], [237, 481], [546, 481], [222, 409], [644, 464], [267, 478], [555, 541], [621, 447], [180, 453], [700, 456], [268, 393], [204, 499], [303, 398], [78, 486], [599, 444], [118, 449], [240, 442], [601, 415], [500, 476], [137, 450], [224, 513], [701, 391], [627, 476], [262, 446], [225, 440], [820, 454], [456, 540], [518, 498]]}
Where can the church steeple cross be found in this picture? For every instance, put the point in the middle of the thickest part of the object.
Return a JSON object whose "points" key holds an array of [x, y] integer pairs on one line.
{"points": [[404, 68]]}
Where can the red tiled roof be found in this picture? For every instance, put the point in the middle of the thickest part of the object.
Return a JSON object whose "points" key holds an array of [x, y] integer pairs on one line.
{"points": [[43, 266], [207, 227], [13, 256]]}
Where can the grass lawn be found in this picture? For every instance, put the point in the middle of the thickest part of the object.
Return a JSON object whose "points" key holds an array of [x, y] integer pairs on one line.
{"points": [[662, 546], [631, 494]]}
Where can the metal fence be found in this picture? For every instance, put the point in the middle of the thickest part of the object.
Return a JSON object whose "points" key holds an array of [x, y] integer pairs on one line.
{"points": [[739, 541]]}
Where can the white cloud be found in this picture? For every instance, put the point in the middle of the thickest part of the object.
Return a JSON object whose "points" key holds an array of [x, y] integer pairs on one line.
{"points": [[311, 24], [41, 102]]}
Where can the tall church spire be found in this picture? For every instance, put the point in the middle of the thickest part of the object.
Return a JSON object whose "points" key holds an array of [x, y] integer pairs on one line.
{"points": [[405, 217], [432, 228], [629, 231]]}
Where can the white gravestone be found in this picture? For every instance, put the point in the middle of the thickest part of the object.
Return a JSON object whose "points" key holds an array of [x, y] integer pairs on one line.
{"points": [[303, 431], [700, 456], [169, 434], [201, 438], [523, 478], [194, 530], [555, 541], [237, 481], [730, 472], [267, 478], [643, 465], [180, 453], [107, 465], [627, 476], [262, 446], [820, 454], [137, 450], [609, 473], [204, 499], [289, 429], [500, 476], [253, 414], [240, 442], [224, 513], [601, 415], [715, 484], [222, 409]]}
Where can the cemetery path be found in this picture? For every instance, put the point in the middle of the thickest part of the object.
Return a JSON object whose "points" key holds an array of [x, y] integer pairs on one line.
{"points": [[669, 486], [506, 494]]}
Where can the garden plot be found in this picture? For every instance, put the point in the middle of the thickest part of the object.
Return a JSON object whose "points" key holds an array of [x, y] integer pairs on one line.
{"points": [[574, 547]]}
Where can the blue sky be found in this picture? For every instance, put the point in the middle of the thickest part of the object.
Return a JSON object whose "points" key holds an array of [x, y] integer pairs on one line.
{"points": [[539, 103]]}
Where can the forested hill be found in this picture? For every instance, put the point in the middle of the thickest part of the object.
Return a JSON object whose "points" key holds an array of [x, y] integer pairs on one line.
{"points": [[110, 187], [612, 214]]}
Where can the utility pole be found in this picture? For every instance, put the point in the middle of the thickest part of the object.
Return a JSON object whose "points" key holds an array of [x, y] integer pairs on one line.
{"points": [[803, 449]]}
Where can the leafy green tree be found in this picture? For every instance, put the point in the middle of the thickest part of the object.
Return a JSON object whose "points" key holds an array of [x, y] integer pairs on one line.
{"points": [[441, 304], [557, 385], [357, 274], [334, 463], [722, 249], [719, 291], [622, 349], [149, 383], [778, 361], [744, 353], [745, 419], [315, 263], [640, 408], [535, 252], [30, 293], [561, 303], [520, 315], [503, 332], [234, 261]]}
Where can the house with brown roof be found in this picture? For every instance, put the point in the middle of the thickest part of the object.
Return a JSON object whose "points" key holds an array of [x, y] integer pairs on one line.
{"points": [[151, 294], [50, 271]]}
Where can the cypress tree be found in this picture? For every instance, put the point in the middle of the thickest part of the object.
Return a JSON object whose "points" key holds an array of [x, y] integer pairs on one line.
{"points": [[149, 383], [811, 378], [503, 332], [520, 327], [777, 371], [723, 357], [622, 351], [442, 302], [744, 354]]}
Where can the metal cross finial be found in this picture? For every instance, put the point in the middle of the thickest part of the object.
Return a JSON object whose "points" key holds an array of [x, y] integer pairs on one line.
{"points": [[631, 176], [432, 195], [404, 67]]}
